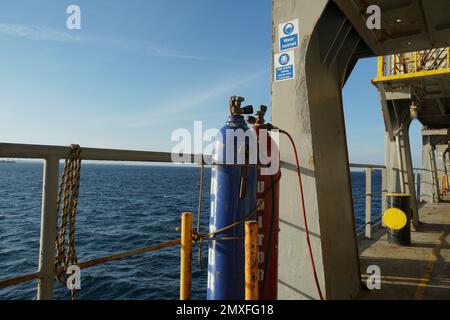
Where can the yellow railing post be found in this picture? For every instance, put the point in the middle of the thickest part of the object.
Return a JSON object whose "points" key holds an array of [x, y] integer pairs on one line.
{"points": [[381, 67], [251, 261], [186, 256], [416, 62], [448, 57]]}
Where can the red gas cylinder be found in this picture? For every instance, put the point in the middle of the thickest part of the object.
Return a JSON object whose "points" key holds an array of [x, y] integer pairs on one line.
{"points": [[268, 191]]}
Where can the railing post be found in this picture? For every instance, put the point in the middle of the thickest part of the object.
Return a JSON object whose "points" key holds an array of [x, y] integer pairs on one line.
{"points": [[381, 67], [186, 257], [448, 57], [398, 141], [384, 191], [416, 58], [369, 203], [416, 183], [251, 261], [48, 229]]}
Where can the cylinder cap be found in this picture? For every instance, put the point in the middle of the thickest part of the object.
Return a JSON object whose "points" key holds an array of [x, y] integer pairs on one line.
{"points": [[395, 219], [398, 195]]}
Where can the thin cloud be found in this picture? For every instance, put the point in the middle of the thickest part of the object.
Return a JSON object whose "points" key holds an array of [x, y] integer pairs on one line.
{"points": [[37, 33], [192, 102], [40, 33]]}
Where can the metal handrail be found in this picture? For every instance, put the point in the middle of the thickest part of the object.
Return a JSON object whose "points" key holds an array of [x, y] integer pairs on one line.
{"points": [[4, 283], [369, 225], [415, 65], [28, 151], [366, 166], [361, 230], [363, 196], [414, 62]]}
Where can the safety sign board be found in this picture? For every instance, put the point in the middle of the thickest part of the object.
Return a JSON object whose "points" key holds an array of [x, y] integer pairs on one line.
{"points": [[288, 33], [284, 66]]}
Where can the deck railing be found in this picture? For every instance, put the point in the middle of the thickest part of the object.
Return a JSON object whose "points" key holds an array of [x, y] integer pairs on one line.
{"points": [[369, 223], [52, 156], [365, 231], [414, 64]]}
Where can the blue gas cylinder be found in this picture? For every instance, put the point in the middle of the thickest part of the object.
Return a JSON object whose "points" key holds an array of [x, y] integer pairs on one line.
{"points": [[231, 201]]}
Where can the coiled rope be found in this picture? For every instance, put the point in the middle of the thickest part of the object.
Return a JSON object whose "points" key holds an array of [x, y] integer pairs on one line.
{"points": [[67, 206]]}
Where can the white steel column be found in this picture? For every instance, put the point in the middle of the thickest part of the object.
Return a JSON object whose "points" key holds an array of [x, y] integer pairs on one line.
{"points": [[48, 229]]}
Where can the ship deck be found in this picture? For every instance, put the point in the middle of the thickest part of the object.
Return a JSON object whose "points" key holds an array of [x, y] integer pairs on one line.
{"points": [[420, 272]]}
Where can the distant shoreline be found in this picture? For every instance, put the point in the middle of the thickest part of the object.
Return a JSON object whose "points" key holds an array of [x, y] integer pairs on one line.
{"points": [[106, 163], [7, 161], [130, 164]]}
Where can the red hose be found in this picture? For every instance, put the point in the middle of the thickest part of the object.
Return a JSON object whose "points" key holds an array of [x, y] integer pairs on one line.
{"points": [[311, 257]]}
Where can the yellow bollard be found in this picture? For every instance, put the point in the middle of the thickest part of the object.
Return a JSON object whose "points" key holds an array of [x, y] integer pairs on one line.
{"points": [[251, 261], [446, 184], [186, 257], [444, 188]]}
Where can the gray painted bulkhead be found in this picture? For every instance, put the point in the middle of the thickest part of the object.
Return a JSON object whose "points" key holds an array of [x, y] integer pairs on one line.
{"points": [[310, 108], [333, 36]]}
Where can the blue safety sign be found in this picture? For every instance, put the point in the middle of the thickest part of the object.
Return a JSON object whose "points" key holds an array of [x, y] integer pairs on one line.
{"points": [[284, 66], [288, 34]]}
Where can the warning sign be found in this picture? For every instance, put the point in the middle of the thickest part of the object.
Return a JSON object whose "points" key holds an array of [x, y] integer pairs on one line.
{"points": [[288, 33], [284, 66]]}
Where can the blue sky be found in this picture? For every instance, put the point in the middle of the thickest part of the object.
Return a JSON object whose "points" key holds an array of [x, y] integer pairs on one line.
{"points": [[137, 70]]}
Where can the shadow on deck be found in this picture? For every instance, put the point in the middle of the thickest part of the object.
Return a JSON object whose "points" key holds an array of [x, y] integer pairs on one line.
{"points": [[421, 271]]}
